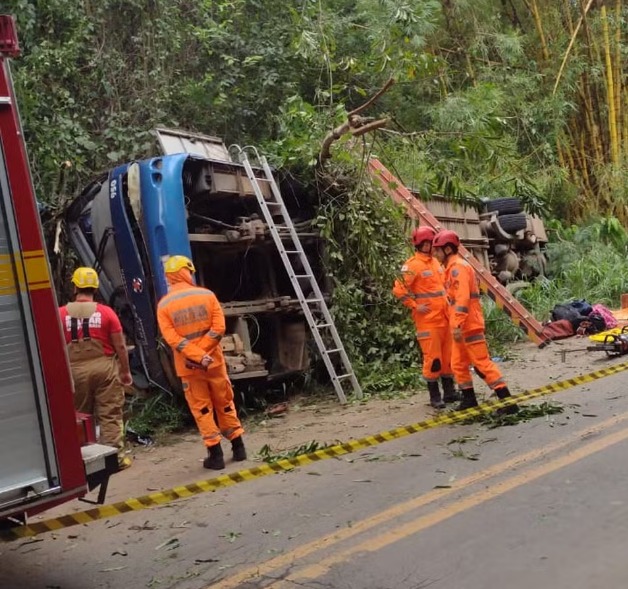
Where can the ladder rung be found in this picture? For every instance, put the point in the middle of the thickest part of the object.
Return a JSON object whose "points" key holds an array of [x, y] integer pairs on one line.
{"points": [[322, 325], [303, 276], [334, 351], [313, 301], [270, 203], [292, 251], [343, 376]]}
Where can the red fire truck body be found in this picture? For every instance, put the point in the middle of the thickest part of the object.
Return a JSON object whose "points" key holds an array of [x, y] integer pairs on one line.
{"points": [[46, 457]]}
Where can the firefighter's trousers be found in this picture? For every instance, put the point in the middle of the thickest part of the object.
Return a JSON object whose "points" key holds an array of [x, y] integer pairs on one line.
{"points": [[435, 343], [97, 390], [473, 351], [211, 392]]}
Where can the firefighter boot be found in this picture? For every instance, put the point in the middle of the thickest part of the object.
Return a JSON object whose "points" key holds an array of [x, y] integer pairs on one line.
{"points": [[435, 398], [450, 395], [215, 458], [239, 452], [504, 393], [468, 399]]}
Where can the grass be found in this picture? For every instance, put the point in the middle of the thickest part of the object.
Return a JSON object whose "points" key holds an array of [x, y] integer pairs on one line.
{"points": [[157, 415]]}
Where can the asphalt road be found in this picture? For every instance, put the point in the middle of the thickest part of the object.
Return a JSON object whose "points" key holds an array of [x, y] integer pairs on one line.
{"points": [[540, 504]]}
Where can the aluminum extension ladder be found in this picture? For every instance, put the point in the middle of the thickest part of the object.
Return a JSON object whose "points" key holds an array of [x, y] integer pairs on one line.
{"points": [[301, 276]]}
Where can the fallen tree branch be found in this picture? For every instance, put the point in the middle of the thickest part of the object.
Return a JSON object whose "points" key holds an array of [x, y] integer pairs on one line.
{"points": [[355, 124]]}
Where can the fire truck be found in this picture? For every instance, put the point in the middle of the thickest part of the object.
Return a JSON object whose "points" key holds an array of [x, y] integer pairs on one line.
{"points": [[48, 453]]}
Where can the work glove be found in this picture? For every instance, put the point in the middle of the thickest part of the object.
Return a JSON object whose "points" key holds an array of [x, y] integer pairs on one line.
{"points": [[422, 308], [202, 365]]}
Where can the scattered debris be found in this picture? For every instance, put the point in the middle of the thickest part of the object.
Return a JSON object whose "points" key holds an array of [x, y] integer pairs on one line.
{"points": [[277, 410], [171, 544], [267, 454], [525, 413], [231, 536]]}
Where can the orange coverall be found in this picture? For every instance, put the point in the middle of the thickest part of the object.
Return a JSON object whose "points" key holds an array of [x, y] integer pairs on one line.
{"points": [[192, 322], [422, 283], [466, 313]]}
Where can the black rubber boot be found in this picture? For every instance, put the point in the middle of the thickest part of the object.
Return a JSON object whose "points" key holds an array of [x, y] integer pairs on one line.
{"points": [[504, 393], [239, 452], [435, 398], [450, 395], [215, 458], [468, 399]]}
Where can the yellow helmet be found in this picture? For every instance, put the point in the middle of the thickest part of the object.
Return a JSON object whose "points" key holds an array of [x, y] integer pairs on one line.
{"points": [[175, 263], [85, 278]]}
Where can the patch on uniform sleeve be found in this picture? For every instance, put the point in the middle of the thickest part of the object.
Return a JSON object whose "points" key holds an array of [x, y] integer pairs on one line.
{"points": [[455, 272], [426, 273]]}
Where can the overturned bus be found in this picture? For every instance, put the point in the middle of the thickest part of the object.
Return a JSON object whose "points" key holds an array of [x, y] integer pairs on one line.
{"points": [[195, 200]]}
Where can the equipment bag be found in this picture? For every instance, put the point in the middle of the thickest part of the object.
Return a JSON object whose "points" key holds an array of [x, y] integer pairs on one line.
{"points": [[558, 329]]}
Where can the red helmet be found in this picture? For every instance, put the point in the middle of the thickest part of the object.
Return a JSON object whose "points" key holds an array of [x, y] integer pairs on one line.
{"points": [[446, 237], [421, 234]]}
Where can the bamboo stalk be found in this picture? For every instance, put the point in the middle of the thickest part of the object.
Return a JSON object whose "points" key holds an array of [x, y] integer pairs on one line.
{"points": [[571, 42], [561, 157], [567, 11], [610, 91], [538, 23], [590, 118], [470, 70], [619, 78]]}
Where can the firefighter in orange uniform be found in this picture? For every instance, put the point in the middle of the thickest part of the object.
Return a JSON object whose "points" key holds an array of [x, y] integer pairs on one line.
{"points": [[192, 322], [421, 289], [94, 337], [466, 322]]}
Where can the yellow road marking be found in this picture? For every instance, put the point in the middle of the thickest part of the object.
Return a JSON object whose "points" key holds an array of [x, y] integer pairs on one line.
{"points": [[301, 552], [284, 465], [431, 519]]}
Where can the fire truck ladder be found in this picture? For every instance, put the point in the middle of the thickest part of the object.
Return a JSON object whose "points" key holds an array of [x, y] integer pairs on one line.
{"points": [[504, 300], [302, 277]]}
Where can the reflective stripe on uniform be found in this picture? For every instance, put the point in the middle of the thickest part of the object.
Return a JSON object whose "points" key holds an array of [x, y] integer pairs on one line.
{"points": [[429, 295], [423, 334], [184, 342], [210, 333], [476, 295], [478, 337], [495, 382], [460, 309], [181, 295]]}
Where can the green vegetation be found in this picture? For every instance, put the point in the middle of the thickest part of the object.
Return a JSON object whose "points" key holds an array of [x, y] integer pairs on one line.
{"points": [[267, 454], [525, 413], [157, 415], [491, 98]]}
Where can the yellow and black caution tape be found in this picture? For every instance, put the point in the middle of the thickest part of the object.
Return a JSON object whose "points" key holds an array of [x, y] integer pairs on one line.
{"points": [[288, 464]]}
